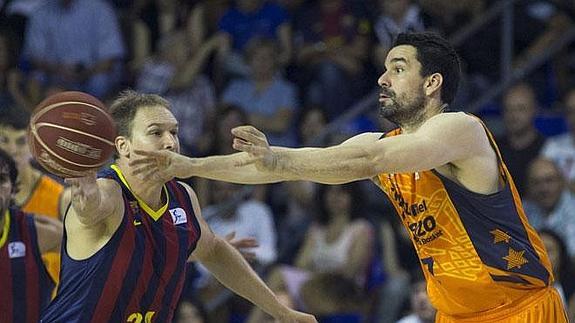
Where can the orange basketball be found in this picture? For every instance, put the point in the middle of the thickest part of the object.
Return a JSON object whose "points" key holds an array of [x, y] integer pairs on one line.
{"points": [[71, 133]]}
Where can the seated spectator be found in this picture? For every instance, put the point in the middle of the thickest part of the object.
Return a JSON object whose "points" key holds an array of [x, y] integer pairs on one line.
{"points": [[521, 142], [75, 45], [563, 269], [549, 203], [176, 74], [338, 242], [269, 100], [232, 215], [421, 309], [232, 212], [561, 149], [252, 19], [332, 48]]}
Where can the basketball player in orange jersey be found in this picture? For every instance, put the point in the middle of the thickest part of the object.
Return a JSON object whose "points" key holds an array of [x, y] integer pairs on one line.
{"points": [[442, 171], [37, 193]]}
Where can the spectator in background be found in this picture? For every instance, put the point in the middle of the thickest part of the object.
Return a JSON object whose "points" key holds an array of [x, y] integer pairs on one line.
{"points": [[26, 286], [561, 149], [250, 19], [311, 124], [339, 241], [15, 89], [396, 16], [549, 203], [269, 100], [332, 47], [521, 142], [421, 309], [176, 74], [36, 192], [75, 45], [563, 269], [248, 218]]}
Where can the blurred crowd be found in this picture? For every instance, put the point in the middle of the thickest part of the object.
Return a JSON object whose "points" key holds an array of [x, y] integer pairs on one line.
{"points": [[290, 68]]}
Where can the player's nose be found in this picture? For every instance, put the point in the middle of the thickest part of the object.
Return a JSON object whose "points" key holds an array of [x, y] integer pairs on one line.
{"points": [[383, 80]]}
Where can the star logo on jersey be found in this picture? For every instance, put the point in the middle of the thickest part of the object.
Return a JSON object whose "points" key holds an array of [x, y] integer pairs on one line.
{"points": [[178, 216], [16, 249], [499, 236], [515, 259]]}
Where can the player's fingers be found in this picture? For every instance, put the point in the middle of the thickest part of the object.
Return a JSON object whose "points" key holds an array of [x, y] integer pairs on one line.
{"points": [[140, 161], [143, 169], [148, 153], [250, 134]]}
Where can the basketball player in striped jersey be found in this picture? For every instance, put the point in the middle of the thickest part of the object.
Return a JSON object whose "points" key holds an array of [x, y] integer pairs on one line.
{"points": [[483, 261], [126, 240], [25, 283], [37, 193]]}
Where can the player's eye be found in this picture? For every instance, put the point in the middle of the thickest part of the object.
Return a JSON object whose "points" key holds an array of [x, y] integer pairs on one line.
{"points": [[399, 69]]}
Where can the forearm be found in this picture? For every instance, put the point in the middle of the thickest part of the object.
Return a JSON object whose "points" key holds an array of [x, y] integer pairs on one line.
{"points": [[225, 168], [229, 267], [333, 165]]}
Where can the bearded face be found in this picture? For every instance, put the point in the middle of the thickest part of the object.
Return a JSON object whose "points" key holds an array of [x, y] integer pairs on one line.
{"points": [[401, 108]]}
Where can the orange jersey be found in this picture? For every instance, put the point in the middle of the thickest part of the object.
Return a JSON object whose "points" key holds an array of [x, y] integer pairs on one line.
{"points": [[45, 200], [478, 252]]}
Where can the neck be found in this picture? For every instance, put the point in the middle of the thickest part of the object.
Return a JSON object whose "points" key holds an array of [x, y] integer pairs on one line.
{"points": [[430, 111], [149, 191]]}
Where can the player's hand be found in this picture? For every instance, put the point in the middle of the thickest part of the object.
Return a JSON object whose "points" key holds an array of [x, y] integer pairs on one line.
{"points": [[293, 316], [252, 141], [160, 165], [84, 191], [244, 245]]}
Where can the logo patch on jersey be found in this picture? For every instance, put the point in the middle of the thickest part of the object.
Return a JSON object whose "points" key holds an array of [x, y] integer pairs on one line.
{"points": [[179, 215], [16, 249]]}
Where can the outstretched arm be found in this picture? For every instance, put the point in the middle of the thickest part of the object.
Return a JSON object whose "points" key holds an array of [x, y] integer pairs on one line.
{"points": [[166, 165], [232, 270], [446, 138]]}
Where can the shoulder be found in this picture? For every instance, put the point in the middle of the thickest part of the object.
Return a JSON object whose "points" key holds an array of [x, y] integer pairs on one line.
{"points": [[454, 119]]}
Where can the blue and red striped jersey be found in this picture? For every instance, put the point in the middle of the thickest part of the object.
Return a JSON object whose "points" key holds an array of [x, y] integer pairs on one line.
{"points": [[139, 274], [25, 283]]}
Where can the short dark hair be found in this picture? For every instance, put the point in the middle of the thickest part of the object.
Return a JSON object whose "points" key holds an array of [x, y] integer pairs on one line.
{"points": [[124, 108], [15, 117], [436, 55], [7, 161]]}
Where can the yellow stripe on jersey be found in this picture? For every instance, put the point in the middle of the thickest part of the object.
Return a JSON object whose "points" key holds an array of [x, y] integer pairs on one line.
{"points": [[154, 214]]}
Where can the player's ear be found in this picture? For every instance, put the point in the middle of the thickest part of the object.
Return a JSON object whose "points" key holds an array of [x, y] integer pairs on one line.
{"points": [[433, 83], [122, 146]]}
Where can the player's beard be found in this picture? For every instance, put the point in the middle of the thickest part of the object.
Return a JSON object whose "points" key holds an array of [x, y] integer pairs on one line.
{"points": [[400, 109]]}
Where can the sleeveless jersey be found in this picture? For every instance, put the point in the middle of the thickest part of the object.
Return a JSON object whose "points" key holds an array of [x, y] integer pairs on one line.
{"points": [[478, 252], [25, 283], [45, 200], [139, 274]]}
